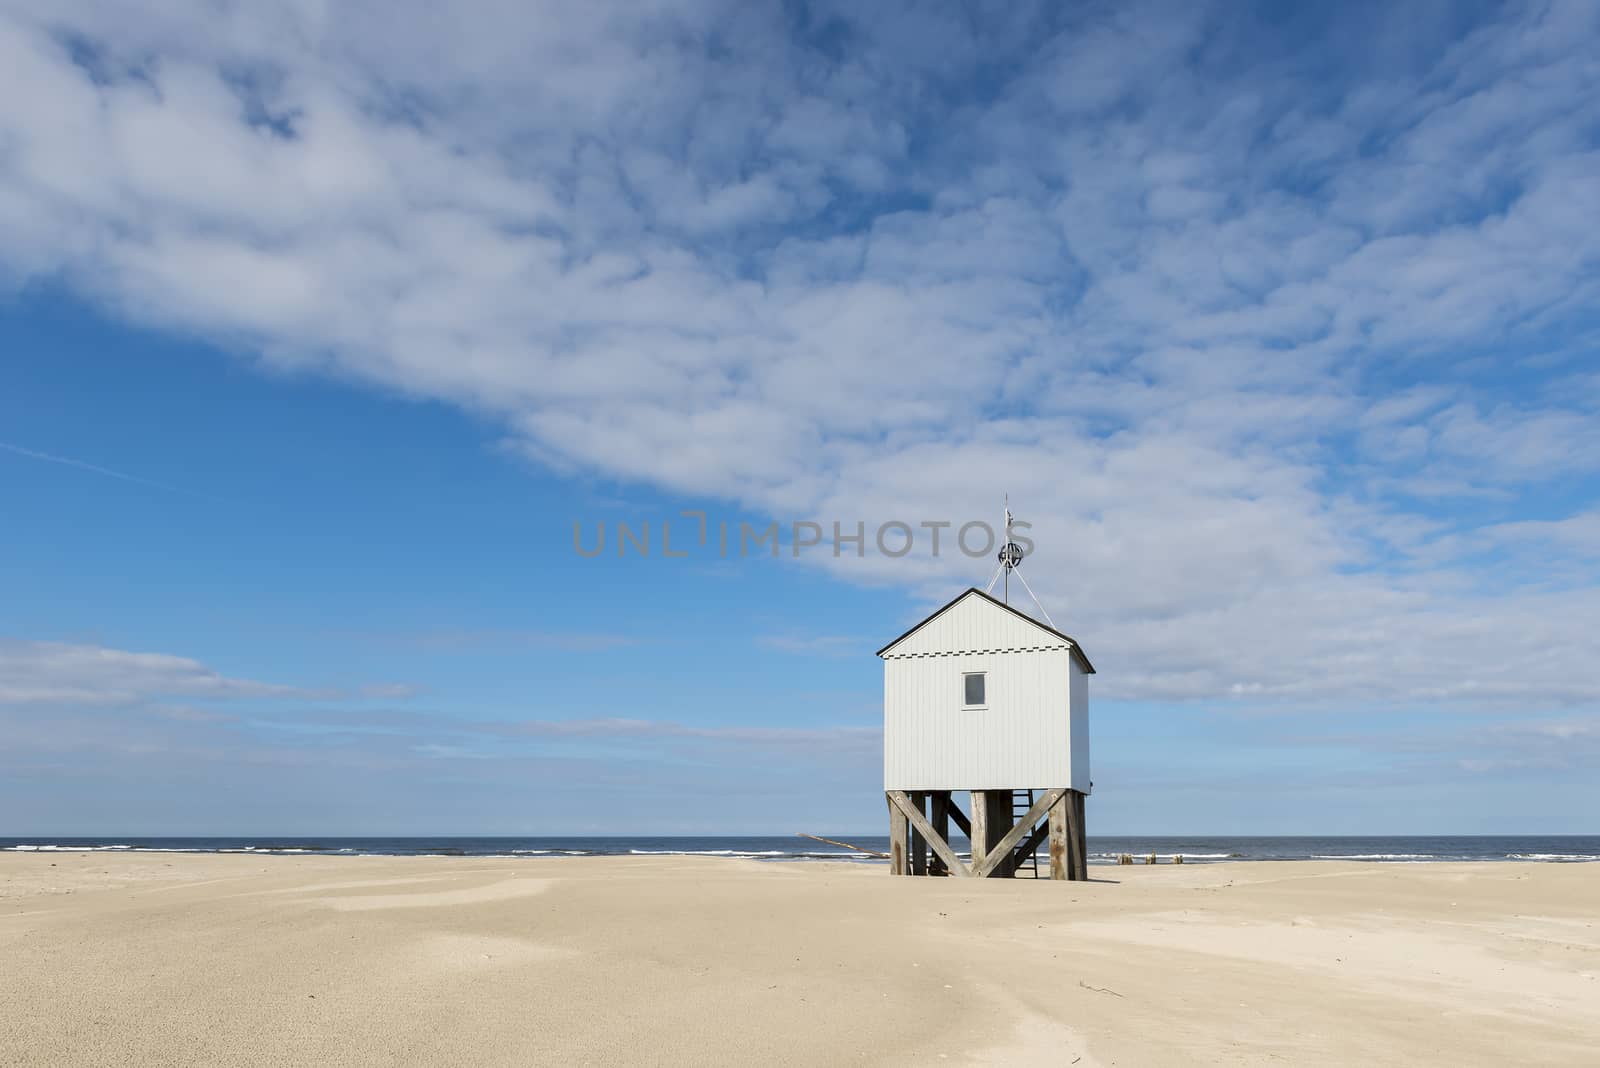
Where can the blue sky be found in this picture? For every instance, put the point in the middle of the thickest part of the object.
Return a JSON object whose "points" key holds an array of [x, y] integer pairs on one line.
{"points": [[320, 328]]}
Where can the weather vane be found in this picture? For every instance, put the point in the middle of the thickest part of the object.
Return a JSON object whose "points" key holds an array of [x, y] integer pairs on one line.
{"points": [[1010, 558]]}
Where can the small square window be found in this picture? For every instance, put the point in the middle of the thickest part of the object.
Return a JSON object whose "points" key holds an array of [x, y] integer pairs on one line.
{"points": [[974, 689]]}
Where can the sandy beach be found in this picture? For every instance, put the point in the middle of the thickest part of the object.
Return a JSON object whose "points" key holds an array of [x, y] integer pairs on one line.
{"points": [[217, 960]]}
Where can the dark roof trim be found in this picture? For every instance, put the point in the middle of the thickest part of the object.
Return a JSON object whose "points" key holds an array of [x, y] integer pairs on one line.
{"points": [[1077, 650]]}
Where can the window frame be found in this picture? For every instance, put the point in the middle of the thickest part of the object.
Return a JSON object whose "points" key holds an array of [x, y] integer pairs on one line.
{"points": [[981, 705]]}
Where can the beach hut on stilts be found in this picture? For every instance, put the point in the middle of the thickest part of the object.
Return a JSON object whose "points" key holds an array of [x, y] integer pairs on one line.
{"points": [[986, 703]]}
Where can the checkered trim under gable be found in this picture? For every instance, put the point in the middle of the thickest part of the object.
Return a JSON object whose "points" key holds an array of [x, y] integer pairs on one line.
{"points": [[981, 652]]}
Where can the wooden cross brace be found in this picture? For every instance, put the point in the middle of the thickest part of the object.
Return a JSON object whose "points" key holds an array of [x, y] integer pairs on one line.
{"points": [[1002, 848]]}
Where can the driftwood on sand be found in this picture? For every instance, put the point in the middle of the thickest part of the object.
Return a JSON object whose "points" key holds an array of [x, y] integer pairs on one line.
{"points": [[847, 845]]}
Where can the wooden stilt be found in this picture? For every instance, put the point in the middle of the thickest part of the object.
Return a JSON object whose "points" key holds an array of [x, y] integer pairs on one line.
{"points": [[978, 828], [919, 844], [1083, 837], [1077, 845], [897, 839], [1059, 864], [997, 826], [939, 801], [1083, 834]]}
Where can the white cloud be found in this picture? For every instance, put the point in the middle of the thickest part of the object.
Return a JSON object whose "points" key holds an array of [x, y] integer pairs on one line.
{"points": [[34, 673], [100, 708], [1225, 331], [50, 672]]}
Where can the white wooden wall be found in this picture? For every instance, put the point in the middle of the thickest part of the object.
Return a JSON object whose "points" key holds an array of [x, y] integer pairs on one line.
{"points": [[1034, 731], [1079, 732]]}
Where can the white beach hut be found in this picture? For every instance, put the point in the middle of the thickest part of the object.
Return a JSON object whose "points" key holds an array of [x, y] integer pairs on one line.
{"points": [[980, 697]]}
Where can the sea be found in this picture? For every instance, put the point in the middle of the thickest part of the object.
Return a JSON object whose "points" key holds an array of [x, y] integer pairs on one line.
{"points": [[1556, 849]]}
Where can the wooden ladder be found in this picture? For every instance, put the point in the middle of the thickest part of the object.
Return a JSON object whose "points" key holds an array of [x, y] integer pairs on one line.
{"points": [[1021, 803]]}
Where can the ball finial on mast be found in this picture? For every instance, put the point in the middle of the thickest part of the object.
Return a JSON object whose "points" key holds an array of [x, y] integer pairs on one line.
{"points": [[1010, 558]]}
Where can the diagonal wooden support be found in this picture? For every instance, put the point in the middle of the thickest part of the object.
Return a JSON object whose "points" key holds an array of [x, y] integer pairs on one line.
{"points": [[960, 818], [1034, 841], [1003, 848], [913, 813]]}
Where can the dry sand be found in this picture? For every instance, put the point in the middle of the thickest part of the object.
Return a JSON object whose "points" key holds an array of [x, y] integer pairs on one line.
{"points": [[217, 960]]}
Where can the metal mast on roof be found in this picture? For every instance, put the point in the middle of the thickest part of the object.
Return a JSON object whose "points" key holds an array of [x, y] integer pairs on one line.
{"points": [[1010, 559]]}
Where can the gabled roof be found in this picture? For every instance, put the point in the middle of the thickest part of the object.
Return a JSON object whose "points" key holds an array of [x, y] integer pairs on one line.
{"points": [[1077, 650]]}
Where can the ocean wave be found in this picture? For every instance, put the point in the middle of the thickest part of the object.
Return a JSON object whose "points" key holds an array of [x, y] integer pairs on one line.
{"points": [[710, 853], [65, 848], [1530, 849], [1146, 853], [1139, 858]]}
